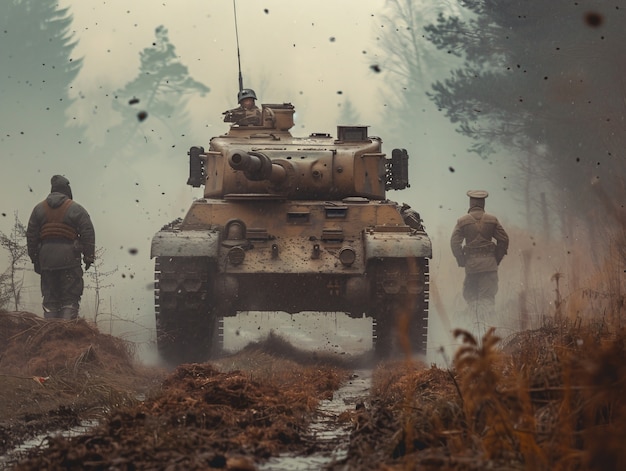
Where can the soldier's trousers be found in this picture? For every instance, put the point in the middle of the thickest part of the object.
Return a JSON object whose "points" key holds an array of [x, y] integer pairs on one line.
{"points": [[62, 290], [479, 290], [480, 286]]}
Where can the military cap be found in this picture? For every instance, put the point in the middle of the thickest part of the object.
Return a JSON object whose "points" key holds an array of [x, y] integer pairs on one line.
{"points": [[478, 194], [60, 184], [59, 181]]}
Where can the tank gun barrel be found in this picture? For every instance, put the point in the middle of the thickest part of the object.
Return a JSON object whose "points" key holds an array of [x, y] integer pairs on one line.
{"points": [[256, 166]]}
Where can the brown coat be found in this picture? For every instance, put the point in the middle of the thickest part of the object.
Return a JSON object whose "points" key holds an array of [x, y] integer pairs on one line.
{"points": [[472, 241]]}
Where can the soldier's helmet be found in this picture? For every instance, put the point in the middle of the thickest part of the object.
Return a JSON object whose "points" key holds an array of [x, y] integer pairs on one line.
{"points": [[245, 93]]}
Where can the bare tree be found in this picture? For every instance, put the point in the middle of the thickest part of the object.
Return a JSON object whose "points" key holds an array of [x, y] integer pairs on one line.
{"points": [[12, 280], [409, 61], [97, 277]]}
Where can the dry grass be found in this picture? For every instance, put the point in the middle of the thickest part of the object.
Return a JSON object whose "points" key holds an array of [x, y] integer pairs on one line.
{"points": [[548, 395], [548, 399]]}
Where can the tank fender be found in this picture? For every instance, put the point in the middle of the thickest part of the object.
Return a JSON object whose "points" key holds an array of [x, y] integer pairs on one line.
{"points": [[176, 243], [397, 245]]}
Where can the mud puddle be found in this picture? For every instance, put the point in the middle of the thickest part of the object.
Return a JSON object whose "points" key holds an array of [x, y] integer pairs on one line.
{"points": [[12, 457], [329, 433]]}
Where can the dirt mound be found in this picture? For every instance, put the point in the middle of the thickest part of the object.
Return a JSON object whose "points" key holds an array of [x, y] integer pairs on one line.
{"points": [[54, 374], [31, 345], [203, 417]]}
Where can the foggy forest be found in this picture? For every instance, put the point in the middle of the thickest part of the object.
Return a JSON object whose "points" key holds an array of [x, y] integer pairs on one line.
{"points": [[392, 368], [522, 99]]}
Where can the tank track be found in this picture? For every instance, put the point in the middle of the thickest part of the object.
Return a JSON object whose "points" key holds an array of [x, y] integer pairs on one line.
{"points": [[188, 328], [400, 323]]}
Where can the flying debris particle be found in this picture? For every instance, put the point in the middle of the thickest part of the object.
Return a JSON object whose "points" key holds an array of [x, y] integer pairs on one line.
{"points": [[332, 39], [133, 251], [594, 19], [375, 68], [142, 115], [4, 215], [266, 11], [451, 169], [133, 101], [339, 92]]}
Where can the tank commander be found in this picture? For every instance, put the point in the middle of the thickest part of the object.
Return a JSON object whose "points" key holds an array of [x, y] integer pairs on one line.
{"points": [[473, 246], [247, 113], [59, 232]]}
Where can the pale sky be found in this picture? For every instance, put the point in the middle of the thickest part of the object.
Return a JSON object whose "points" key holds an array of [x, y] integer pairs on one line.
{"points": [[314, 54], [304, 52]]}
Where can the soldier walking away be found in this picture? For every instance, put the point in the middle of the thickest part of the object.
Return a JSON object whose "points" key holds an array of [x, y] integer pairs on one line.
{"points": [[247, 113], [473, 246], [59, 232]]}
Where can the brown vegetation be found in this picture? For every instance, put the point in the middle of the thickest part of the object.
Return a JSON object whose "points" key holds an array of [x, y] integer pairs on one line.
{"points": [[542, 399], [227, 414], [55, 374], [549, 399]]}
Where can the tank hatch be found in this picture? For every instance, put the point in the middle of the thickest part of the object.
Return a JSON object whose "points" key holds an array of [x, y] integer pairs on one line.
{"points": [[352, 134]]}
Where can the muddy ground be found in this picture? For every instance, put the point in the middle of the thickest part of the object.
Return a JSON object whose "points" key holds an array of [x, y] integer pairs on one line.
{"points": [[547, 399]]}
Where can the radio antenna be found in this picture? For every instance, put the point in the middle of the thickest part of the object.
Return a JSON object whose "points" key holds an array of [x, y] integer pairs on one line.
{"points": [[238, 56]]}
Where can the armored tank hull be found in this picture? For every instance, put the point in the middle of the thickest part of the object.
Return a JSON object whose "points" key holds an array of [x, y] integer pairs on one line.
{"points": [[295, 225]]}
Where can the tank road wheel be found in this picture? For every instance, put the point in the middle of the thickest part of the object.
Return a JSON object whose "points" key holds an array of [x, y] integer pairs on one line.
{"points": [[187, 326], [401, 318]]}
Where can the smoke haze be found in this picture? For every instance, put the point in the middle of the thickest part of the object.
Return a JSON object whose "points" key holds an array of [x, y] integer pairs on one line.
{"points": [[319, 56]]}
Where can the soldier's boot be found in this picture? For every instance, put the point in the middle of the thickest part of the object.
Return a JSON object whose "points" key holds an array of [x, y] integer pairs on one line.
{"points": [[69, 311], [50, 311]]}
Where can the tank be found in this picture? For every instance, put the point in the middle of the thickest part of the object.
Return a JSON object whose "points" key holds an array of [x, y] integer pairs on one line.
{"points": [[294, 224]]}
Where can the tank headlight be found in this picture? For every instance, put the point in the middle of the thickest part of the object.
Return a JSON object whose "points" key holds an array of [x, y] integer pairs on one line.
{"points": [[235, 234], [347, 256], [236, 255]]}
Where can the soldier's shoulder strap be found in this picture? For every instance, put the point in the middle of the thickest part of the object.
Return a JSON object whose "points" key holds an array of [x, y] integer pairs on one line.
{"points": [[57, 214]]}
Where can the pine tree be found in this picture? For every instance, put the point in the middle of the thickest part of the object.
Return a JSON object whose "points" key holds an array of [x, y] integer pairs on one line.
{"points": [[153, 104], [348, 115], [37, 70], [543, 79]]}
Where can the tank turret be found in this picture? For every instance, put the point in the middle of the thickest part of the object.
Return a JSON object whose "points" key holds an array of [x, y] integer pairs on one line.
{"points": [[269, 160], [257, 166]]}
